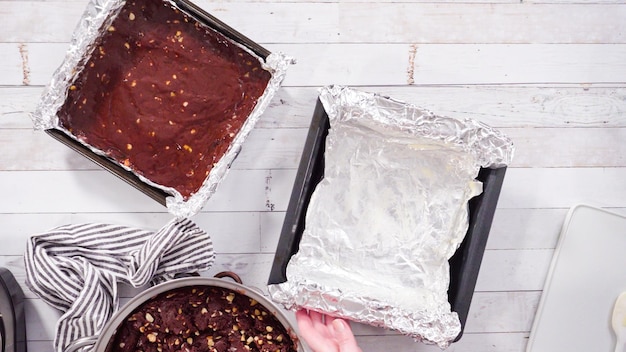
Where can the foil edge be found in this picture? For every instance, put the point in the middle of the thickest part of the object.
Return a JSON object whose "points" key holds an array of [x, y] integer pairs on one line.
{"points": [[277, 64], [440, 328], [490, 147]]}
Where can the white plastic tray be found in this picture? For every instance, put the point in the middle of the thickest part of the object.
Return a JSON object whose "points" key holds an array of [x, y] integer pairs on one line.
{"points": [[587, 274]]}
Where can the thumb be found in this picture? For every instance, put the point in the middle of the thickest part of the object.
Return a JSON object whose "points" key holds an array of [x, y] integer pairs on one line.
{"points": [[344, 337]]}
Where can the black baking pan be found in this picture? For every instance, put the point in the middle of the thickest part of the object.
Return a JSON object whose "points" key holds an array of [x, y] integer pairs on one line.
{"points": [[108, 164], [464, 265], [12, 320]]}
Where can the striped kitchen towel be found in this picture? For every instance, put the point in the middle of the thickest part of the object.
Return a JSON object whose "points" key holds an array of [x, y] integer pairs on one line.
{"points": [[76, 268]]}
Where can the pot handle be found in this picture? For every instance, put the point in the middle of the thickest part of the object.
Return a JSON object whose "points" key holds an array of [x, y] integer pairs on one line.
{"points": [[237, 279], [80, 343], [229, 274]]}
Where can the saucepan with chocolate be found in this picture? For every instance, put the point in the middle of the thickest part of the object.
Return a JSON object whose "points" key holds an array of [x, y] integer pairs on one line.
{"points": [[197, 314]]}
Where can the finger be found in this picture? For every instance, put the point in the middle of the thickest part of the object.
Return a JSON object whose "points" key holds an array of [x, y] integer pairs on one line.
{"points": [[344, 336], [309, 321], [328, 320], [317, 319], [303, 319], [317, 340]]}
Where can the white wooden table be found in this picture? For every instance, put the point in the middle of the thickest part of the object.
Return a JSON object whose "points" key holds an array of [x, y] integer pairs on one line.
{"points": [[549, 73]]}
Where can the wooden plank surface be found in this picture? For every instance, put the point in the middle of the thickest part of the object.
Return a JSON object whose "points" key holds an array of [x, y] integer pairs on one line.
{"points": [[501, 106], [551, 74], [383, 64], [336, 22]]}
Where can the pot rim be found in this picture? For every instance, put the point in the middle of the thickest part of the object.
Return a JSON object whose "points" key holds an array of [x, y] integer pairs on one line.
{"points": [[118, 317]]}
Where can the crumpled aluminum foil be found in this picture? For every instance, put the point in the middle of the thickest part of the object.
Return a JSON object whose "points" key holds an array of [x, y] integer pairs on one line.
{"points": [[389, 213], [100, 14]]}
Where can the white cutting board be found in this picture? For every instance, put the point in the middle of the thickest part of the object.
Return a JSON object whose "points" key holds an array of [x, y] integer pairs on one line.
{"points": [[587, 274]]}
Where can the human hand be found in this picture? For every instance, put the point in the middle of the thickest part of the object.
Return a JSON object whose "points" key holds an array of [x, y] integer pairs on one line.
{"points": [[324, 333]]}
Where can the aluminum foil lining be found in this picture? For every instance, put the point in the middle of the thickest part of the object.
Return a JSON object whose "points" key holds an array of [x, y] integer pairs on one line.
{"points": [[100, 14], [277, 64], [391, 210]]}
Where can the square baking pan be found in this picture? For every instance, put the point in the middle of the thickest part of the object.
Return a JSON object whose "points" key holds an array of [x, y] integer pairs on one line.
{"points": [[464, 265], [107, 163]]}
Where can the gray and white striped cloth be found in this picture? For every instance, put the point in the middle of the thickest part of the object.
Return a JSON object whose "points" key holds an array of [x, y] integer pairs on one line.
{"points": [[76, 268]]}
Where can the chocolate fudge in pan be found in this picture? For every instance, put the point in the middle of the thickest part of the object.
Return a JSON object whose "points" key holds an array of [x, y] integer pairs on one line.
{"points": [[163, 94], [202, 318]]}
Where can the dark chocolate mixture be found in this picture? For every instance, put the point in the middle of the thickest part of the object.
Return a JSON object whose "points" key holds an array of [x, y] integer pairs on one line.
{"points": [[163, 95], [202, 318]]}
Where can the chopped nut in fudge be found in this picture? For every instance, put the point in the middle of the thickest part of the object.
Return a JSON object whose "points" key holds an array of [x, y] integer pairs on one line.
{"points": [[201, 318], [163, 95]]}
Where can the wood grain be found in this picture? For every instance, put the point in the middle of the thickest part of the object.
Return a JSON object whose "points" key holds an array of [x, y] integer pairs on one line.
{"points": [[548, 105], [335, 22], [281, 149], [99, 191], [360, 64]]}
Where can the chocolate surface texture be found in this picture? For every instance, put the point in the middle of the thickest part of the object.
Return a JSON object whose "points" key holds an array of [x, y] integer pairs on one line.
{"points": [[202, 318], [163, 95]]}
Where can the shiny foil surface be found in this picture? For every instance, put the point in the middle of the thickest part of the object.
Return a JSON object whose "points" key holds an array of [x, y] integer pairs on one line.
{"points": [[391, 210], [93, 24]]}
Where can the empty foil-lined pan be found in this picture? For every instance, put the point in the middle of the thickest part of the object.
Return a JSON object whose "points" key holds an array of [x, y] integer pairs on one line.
{"points": [[163, 62], [390, 211]]}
